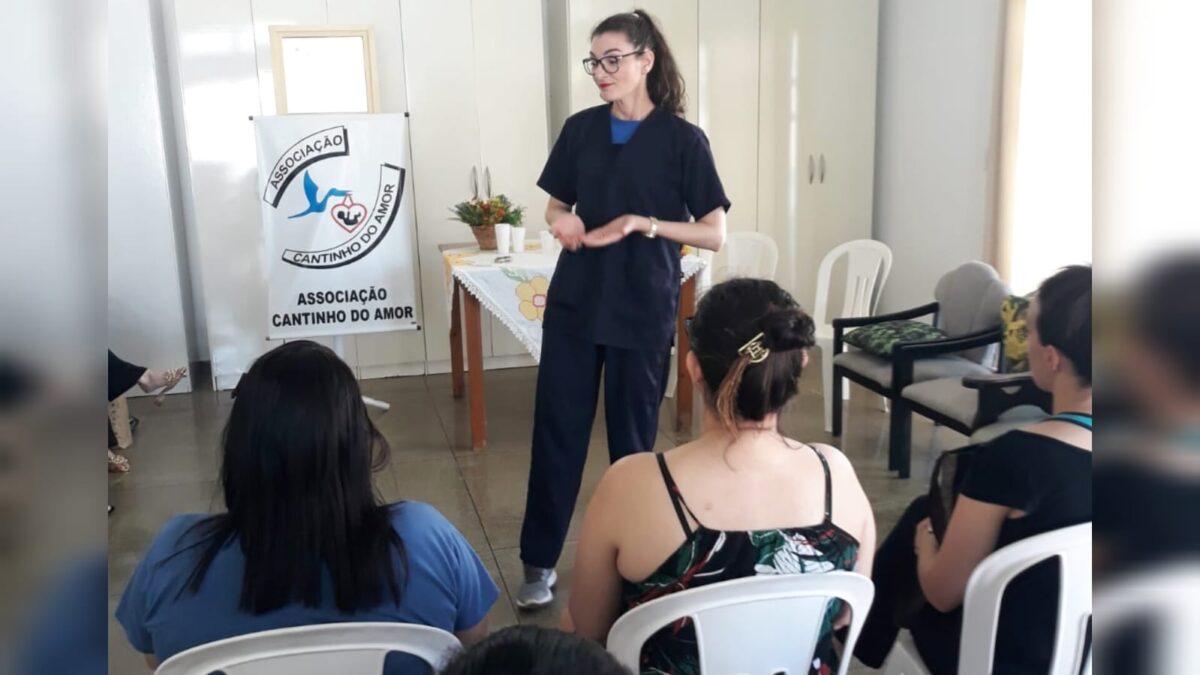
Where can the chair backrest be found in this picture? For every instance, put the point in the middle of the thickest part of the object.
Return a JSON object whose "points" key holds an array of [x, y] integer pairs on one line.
{"points": [[1072, 546], [1157, 596], [746, 254], [867, 267], [969, 299], [758, 625], [344, 648]]}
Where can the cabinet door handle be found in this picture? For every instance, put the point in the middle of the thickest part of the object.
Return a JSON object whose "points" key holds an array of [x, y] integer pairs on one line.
{"points": [[810, 169], [822, 168], [475, 182], [487, 181]]}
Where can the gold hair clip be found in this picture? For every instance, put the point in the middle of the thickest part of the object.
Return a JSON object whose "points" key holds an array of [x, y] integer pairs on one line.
{"points": [[755, 350]]}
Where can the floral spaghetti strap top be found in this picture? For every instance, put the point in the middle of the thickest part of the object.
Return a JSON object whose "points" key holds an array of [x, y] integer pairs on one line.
{"points": [[709, 556]]}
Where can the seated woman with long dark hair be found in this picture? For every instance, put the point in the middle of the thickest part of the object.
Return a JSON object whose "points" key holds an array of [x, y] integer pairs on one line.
{"points": [[742, 500], [1022, 484], [304, 539]]}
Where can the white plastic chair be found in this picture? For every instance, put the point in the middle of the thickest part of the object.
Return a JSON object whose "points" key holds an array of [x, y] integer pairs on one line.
{"points": [[344, 648], [757, 625], [981, 607], [867, 267], [1167, 596], [745, 254]]}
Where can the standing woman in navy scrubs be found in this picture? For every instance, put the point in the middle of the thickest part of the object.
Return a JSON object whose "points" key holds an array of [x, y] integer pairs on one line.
{"points": [[624, 178]]}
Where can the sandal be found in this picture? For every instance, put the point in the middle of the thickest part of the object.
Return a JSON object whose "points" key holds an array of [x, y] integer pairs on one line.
{"points": [[166, 382], [117, 463]]}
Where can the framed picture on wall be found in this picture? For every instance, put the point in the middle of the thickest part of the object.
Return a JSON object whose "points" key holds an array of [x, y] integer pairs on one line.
{"points": [[324, 69]]}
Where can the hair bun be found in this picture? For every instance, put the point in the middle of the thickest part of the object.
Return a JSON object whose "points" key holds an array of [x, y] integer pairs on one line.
{"points": [[788, 329]]}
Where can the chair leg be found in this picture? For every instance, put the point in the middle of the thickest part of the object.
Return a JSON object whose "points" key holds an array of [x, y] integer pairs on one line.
{"points": [[827, 388], [900, 439], [835, 402]]}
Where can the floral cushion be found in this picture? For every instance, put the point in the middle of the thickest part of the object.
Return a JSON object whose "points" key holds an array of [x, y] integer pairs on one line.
{"points": [[1016, 334], [880, 338]]}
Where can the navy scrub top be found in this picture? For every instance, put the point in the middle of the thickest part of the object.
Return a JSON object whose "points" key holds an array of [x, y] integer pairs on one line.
{"points": [[626, 295]]}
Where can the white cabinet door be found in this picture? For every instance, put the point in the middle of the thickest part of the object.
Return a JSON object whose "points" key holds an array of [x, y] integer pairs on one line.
{"points": [[787, 155], [402, 352], [444, 124], [510, 85], [725, 96], [844, 119]]}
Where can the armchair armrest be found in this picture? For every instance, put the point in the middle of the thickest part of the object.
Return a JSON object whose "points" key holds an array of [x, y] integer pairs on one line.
{"points": [[840, 325], [924, 350], [1001, 392], [856, 321], [982, 382], [906, 354]]}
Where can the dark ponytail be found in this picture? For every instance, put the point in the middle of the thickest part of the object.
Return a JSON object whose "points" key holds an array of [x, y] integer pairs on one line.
{"points": [[755, 312], [664, 82]]}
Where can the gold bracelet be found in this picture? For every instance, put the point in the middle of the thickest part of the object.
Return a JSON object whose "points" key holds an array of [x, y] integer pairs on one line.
{"points": [[653, 233]]}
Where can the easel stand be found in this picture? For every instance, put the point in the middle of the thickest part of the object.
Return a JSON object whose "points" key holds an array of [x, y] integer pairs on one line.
{"points": [[339, 348]]}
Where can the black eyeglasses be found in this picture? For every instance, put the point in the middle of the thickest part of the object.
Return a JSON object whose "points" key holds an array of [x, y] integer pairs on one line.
{"points": [[610, 63]]}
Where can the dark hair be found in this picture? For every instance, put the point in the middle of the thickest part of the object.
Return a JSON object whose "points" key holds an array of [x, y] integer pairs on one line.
{"points": [[664, 82], [729, 316], [1165, 313], [299, 450], [532, 650], [1065, 317]]}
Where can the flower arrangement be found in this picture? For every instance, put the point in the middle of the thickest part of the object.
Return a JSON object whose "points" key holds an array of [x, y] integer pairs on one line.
{"points": [[484, 214], [478, 212]]}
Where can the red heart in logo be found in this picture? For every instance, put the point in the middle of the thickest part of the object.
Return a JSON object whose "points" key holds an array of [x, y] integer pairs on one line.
{"points": [[348, 214]]}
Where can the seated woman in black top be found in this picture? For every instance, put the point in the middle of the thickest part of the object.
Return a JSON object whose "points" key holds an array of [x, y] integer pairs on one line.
{"points": [[1021, 484]]}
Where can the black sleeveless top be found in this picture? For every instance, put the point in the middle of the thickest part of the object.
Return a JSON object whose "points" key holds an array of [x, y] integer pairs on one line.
{"points": [[709, 556]]}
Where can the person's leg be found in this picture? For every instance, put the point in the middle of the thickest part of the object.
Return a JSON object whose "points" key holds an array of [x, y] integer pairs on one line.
{"points": [[937, 637], [122, 375], [634, 384], [895, 576], [565, 406]]}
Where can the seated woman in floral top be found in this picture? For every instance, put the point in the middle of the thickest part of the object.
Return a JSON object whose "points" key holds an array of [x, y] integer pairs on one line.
{"points": [[742, 500]]}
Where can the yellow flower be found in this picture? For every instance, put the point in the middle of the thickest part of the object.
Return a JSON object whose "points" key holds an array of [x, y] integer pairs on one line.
{"points": [[533, 298]]}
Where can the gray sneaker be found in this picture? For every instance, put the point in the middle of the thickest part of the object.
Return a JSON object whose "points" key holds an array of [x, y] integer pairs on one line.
{"points": [[537, 589]]}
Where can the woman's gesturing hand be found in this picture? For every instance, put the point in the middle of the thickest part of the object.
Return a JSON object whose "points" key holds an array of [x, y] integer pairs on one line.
{"points": [[568, 229]]}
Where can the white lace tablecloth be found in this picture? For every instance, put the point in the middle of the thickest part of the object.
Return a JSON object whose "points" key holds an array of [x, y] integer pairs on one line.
{"points": [[515, 291]]}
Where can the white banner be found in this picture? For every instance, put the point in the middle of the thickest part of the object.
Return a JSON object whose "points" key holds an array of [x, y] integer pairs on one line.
{"points": [[339, 261]]}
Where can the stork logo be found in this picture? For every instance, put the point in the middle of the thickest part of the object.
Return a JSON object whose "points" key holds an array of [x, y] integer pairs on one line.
{"points": [[316, 157]]}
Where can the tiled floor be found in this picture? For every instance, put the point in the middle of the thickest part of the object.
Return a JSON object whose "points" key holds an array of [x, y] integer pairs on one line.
{"points": [[175, 460]]}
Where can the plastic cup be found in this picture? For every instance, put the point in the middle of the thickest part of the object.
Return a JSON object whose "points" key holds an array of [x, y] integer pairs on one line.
{"points": [[518, 239], [503, 238], [548, 243]]}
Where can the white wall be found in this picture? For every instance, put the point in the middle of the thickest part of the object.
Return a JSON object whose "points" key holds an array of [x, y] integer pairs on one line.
{"points": [[936, 116], [219, 57], [146, 292]]}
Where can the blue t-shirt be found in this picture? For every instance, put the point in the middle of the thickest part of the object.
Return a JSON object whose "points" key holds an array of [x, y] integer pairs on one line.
{"points": [[622, 130], [447, 587]]}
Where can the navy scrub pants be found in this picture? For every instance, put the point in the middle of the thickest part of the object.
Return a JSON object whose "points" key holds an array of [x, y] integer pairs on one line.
{"points": [[567, 391]]}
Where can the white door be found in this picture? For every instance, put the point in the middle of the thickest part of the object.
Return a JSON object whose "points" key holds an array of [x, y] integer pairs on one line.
{"points": [[401, 352], [444, 124], [726, 101], [787, 155], [844, 52], [510, 80]]}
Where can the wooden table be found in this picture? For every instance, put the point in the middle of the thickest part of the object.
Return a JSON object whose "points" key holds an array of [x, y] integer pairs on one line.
{"points": [[467, 311]]}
